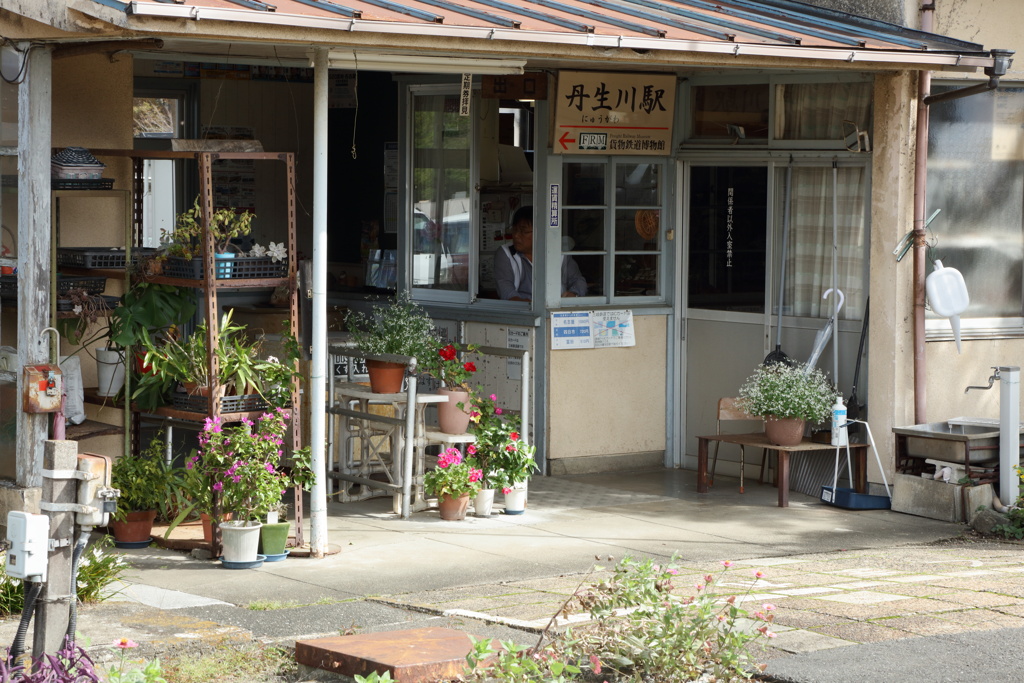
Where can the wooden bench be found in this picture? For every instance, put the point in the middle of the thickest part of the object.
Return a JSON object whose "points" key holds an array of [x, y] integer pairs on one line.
{"points": [[859, 451]]}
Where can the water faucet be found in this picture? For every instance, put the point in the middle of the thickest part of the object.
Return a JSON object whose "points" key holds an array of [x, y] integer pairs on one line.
{"points": [[991, 381]]}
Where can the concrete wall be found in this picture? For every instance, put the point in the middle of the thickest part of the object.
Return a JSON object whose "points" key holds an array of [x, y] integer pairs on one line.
{"points": [[610, 402]]}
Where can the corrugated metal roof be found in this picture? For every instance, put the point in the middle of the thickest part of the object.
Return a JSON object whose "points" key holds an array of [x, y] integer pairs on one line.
{"points": [[723, 26]]}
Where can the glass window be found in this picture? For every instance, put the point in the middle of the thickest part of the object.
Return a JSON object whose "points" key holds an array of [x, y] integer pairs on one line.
{"points": [[612, 228], [976, 178], [728, 227], [441, 193], [731, 112], [817, 111]]}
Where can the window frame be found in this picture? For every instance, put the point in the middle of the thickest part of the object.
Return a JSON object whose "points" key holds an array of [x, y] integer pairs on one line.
{"points": [[664, 251]]}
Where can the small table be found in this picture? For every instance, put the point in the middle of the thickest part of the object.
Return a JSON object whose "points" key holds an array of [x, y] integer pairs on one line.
{"points": [[859, 451]]}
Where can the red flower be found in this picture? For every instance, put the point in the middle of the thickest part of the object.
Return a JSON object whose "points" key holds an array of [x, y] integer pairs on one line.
{"points": [[469, 367], [514, 436], [447, 353]]}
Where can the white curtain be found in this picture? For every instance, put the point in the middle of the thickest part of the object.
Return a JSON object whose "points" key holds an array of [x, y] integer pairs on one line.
{"points": [[816, 111], [810, 247]]}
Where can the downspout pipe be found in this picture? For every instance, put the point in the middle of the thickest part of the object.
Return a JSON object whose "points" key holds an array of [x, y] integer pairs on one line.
{"points": [[1002, 60]]}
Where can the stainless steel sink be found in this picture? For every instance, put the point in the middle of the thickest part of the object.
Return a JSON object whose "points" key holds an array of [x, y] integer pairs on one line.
{"points": [[950, 441]]}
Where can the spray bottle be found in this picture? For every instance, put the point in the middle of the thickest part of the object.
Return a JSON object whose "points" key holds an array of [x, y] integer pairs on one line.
{"points": [[839, 436]]}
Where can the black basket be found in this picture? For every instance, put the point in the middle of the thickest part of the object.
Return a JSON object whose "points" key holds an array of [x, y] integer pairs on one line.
{"points": [[81, 183], [92, 257], [228, 404], [257, 267], [239, 267], [91, 285]]}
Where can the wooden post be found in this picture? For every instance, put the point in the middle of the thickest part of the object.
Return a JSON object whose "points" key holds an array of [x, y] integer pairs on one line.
{"points": [[53, 610], [34, 96]]}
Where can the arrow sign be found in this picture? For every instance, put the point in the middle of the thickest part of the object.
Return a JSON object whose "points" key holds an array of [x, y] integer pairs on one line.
{"points": [[564, 139]]}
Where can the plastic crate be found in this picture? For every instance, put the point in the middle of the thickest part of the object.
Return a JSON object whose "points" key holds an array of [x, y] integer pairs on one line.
{"points": [[92, 285], [81, 183], [228, 404], [240, 267], [92, 257]]}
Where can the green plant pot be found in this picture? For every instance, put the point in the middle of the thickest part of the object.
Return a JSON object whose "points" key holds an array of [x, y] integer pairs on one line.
{"points": [[274, 538]]}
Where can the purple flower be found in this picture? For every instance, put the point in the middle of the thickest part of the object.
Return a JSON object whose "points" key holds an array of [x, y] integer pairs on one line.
{"points": [[269, 467], [237, 478], [218, 486]]}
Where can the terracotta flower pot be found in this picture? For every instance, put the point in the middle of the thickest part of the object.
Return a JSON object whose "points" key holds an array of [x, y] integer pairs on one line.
{"points": [[385, 378], [784, 431], [137, 527], [451, 418], [453, 509]]}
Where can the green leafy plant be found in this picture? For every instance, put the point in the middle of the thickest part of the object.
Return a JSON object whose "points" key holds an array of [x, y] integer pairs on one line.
{"points": [[225, 224], [400, 328], [375, 677], [499, 449], [1014, 527], [643, 628], [785, 391], [243, 465], [142, 479], [453, 477], [447, 366]]}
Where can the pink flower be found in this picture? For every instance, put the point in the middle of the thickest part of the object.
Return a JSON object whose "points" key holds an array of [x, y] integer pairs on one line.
{"points": [[726, 563], [237, 478], [506, 490], [497, 411], [758, 573], [471, 449], [698, 586], [218, 486], [595, 663], [767, 607], [247, 422], [494, 397], [125, 643], [476, 475], [269, 467]]}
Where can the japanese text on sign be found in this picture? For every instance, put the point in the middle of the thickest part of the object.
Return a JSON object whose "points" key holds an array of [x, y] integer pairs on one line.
{"points": [[553, 206], [466, 94], [592, 330], [613, 113], [728, 227]]}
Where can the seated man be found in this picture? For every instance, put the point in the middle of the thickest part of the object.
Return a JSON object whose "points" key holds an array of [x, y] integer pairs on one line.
{"points": [[513, 264]]}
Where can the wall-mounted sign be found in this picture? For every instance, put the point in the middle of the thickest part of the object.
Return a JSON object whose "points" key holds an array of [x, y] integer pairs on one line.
{"points": [[592, 330], [614, 113]]}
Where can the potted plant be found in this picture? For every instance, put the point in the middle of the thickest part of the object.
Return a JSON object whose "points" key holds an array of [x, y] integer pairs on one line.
{"points": [[143, 481], [507, 460], [274, 534], [399, 328], [453, 482], [453, 372], [224, 225], [88, 309], [241, 467], [787, 396]]}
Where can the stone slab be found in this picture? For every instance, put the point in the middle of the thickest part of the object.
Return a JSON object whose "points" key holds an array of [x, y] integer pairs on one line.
{"points": [[417, 655], [938, 500]]}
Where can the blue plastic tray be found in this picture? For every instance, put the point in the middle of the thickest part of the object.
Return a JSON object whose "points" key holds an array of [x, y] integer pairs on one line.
{"points": [[258, 562], [851, 500]]}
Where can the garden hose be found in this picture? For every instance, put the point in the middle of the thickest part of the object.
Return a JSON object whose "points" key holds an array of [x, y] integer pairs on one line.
{"points": [[32, 590], [83, 540]]}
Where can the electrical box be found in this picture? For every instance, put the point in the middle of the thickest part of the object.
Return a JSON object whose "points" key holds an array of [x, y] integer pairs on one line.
{"points": [[43, 388], [29, 536], [95, 492]]}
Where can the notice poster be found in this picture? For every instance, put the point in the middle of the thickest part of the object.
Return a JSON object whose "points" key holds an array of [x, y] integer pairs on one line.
{"points": [[592, 330]]}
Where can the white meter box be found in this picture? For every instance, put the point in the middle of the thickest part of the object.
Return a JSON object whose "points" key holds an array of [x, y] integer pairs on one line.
{"points": [[29, 536]]}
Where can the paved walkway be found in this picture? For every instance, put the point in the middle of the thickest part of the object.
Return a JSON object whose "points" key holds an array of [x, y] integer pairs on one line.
{"points": [[844, 583]]}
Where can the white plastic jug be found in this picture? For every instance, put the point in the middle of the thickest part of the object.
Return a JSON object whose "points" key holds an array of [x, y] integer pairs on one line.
{"points": [[947, 295]]}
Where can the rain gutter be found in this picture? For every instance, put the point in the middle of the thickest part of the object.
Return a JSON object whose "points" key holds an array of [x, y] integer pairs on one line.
{"points": [[962, 60], [1000, 64]]}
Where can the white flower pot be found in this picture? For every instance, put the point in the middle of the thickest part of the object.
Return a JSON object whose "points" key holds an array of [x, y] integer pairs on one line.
{"points": [[241, 541], [109, 372], [483, 502], [515, 500]]}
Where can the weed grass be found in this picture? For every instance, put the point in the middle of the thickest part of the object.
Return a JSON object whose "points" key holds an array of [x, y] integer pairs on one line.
{"points": [[232, 664]]}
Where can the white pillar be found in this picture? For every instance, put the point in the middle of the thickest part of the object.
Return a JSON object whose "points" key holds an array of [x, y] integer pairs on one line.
{"points": [[317, 381], [1009, 433]]}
